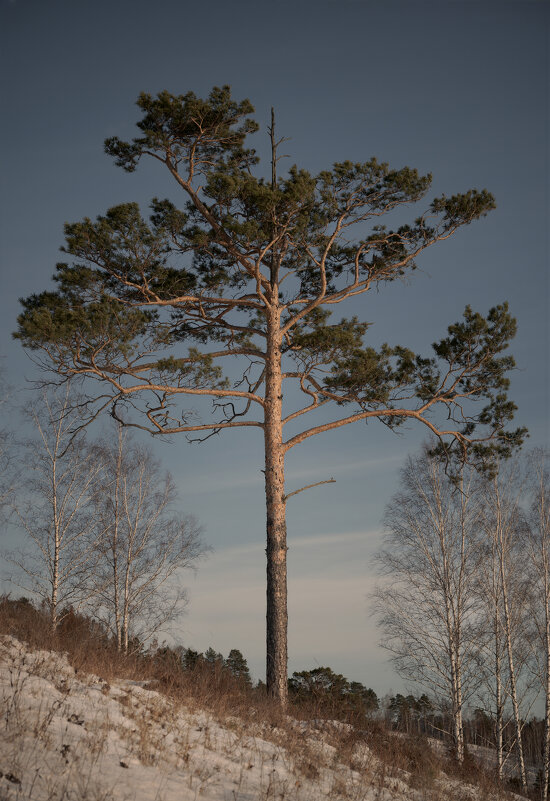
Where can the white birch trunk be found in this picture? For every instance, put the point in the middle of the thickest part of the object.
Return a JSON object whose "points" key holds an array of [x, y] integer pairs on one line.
{"points": [[508, 637], [513, 692], [114, 543], [539, 539], [53, 457], [546, 748], [56, 550], [545, 570], [458, 725], [499, 716], [126, 602]]}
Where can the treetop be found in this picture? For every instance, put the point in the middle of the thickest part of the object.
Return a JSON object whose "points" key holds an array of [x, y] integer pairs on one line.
{"points": [[158, 305]]}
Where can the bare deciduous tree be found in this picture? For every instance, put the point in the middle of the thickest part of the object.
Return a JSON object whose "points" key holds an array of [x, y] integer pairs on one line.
{"points": [[539, 550], [425, 608], [492, 644], [142, 541], [503, 524], [6, 460], [52, 506]]}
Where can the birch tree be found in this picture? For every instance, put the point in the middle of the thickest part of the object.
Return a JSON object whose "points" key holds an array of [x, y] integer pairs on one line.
{"points": [[143, 543], [426, 606], [493, 644], [539, 551], [52, 507], [229, 298], [7, 467], [504, 526]]}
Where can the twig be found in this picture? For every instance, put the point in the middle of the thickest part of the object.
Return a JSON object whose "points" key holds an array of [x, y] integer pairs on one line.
{"points": [[309, 486]]}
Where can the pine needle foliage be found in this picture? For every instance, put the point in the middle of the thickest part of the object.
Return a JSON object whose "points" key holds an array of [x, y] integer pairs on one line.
{"points": [[229, 297]]}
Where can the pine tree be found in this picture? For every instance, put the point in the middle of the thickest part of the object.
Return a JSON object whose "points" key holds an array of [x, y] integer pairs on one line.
{"points": [[191, 659], [237, 666], [212, 657], [245, 275]]}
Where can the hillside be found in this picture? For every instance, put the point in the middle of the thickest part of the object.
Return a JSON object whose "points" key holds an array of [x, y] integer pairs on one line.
{"points": [[66, 734]]}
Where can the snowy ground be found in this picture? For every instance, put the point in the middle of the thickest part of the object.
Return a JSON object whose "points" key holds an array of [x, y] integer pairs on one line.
{"points": [[76, 738]]}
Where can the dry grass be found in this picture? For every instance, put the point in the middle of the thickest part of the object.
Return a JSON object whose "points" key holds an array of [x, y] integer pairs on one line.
{"points": [[297, 755]]}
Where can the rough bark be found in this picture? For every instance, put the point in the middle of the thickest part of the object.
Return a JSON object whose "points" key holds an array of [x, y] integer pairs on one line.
{"points": [[276, 597]]}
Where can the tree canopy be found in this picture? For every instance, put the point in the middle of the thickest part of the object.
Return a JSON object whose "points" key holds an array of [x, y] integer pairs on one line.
{"points": [[230, 295], [136, 288]]}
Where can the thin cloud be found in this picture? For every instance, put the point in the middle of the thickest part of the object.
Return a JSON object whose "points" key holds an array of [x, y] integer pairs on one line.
{"points": [[329, 580], [222, 481]]}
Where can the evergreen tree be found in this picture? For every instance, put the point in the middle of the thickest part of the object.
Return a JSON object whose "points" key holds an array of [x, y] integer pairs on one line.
{"points": [[332, 691], [191, 659], [246, 274], [317, 683], [237, 666], [212, 657], [362, 697]]}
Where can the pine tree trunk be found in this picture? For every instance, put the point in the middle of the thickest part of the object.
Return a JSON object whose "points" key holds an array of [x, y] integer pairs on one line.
{"points": [[276, 611]]}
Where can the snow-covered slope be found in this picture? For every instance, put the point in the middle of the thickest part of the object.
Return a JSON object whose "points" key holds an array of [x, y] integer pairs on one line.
{"points": [[74, 737]]}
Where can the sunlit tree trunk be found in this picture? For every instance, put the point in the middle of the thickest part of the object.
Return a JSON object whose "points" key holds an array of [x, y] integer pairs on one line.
{"points": [[276, 612]]}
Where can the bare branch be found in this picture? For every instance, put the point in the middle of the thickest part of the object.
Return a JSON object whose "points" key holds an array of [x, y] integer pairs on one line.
{"points": [[309, 486]]}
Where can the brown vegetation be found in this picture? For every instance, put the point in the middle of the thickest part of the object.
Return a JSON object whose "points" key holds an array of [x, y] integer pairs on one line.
{"points": [[311, 742]]}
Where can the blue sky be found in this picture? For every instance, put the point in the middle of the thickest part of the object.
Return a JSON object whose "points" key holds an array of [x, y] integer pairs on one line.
{"points": [[452, 87]]}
